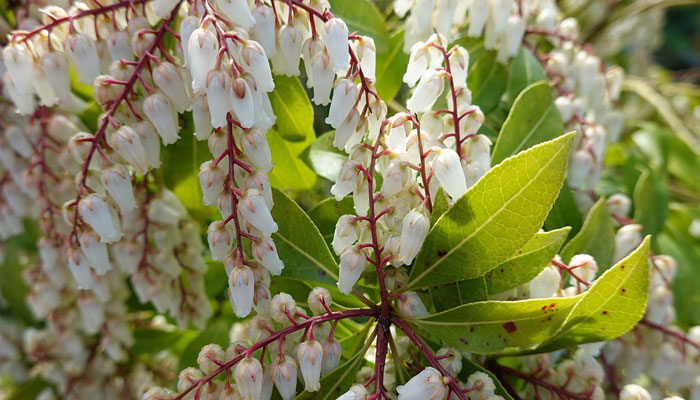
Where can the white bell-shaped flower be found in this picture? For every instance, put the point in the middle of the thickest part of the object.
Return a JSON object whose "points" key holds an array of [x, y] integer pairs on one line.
{"points": [[163, 8], [415, 227], [43, 88], [366, 52], [201, 116], [220, 239], [545, 284], [265, 252], [310, 356], [323, 77], [417, 63], [356, 392], [19, 64], [128, 144], [161, 114], [627, 239], [580, 166], [55, 66], [515, 30], [565, 107], [238, 12], [218, 97], [249, 378], [346, 129], [260, 181], [211, 180], [459, 66], [319, 296], [263, 31], [203, 49], [241, 290], [634, 392], [345, 234], [119, 46], [256, 64], [97, 213], [335, 36], [242, 102], [117, 181], [331, 355], [619, 205], [82, 52], [80, 268], [427, 92], [290, 42], [284, 374], [478, 149], [448, 170], [95, 251], [207, 355], [352, 263], [188, 25], [344, 98], [169, 80], [485, 387], [253, 208], [346, 181], [584, 266], [255, 146], [410, 305], [427, 385], [150, 141]]}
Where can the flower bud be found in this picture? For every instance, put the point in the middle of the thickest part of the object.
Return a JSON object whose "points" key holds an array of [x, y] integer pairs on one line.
{"points": [[448, 170], [410, 305], [427, 92], [160, 112], [242, 102], [453, 362], [580, 167], [253, 208], [565, 107], [317, 297], [331, 355], [310, 356], [82, 52], [284, 374], [344, 97], [220, 240], [117, 181], [211, 180], [206, 357], [335, 37], [485, 389], [255, 146], [352, 263], [634, 392], [167, 77], [249, 378], [619, 205], [428, 384], [415, 227], [218, 97], [128, 144], [265, 252], [187, 377], [97, 213], [627, 239], [242, 290], [280, 305], [203, 49], [260, 181], [585, 267]]}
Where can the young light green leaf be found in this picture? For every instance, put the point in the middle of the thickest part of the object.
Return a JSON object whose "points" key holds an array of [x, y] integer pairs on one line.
{"points": [[533, 119], [391, 66], [596, 238], [493, 326], [522, 268], [650, 202], [525, 69], [290, 171], [300, 245], [365, 18], [323, 157], [295, 115], [495, 218], [487, 81], [440, 206], [612, 306]]}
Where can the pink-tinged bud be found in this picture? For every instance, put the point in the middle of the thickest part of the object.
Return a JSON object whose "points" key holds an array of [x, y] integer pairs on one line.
{"points": [[264, 29], [79, 147], [427, 385], [211, 180], [344, 98], [82, 52], [335, 36], [284, 374], [352, 263], [101, 217], [427, 92], [448, 170], [220, 240], [160, 112], [187, 377], [80, 268], [265, 252], [218, 97], [580, 166], [242, 290], [237, 11], [150, 141], [55, 67], [256, 64], [117, 181], [260, 181], [242, 102], [331, 355], [356, 392], [414, 230], [323, 76], [410, 305], [345, 233], [203, 50], [280, 305], [169, 80], [206, 357], [249, 378], [310, 356], [255, 146], [417, 63], [290, 42], [128, 144], [317, 297]]}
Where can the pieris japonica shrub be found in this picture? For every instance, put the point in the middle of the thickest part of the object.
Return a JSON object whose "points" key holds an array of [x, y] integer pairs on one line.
{"points": [[314, 199]]}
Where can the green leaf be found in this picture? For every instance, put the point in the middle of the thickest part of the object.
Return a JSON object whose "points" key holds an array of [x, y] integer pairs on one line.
{"points": [[522, 268], [440, 205], [533, 119], [596, 238], [365, 18], [524, 70], [391, 66], [326, 213], [492, 326], [217, 332], [28, 390], [487, 81], [650, 202], [151, 341], [295, 115], [495, 218], [300, 245], [612, 306], [324, 158], [290, 171], [564, 212]]}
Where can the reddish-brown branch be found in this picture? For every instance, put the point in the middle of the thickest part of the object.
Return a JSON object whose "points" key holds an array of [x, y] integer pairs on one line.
{"points": [[552, 388], [453, 92], [231, 150], [666, 331], [426, 182]]}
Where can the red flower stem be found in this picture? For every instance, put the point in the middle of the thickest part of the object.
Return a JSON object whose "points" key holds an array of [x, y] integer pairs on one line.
{"points": [[570, 271], [101, 131], [426, 184], [676, 335], [355, 313], [552, 388], [231, 150], [432, 359], [453, 93]]}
